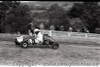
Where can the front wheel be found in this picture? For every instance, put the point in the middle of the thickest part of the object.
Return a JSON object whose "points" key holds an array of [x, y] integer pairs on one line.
{"points": [[24, 44], [55, 45]]}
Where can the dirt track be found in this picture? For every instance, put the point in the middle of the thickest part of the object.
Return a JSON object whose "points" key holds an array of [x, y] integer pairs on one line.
{"points": [[11, 54]]}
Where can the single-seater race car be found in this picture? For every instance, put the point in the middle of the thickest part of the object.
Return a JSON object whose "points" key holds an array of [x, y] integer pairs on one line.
{"points": [[47, 41]]}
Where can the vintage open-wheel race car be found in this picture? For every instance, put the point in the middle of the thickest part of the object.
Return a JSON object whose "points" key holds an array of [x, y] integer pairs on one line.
{"points": [[47, 41]]}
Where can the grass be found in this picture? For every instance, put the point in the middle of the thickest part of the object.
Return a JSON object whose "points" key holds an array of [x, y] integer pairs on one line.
{"points": [[61, 37], [72, 49]]}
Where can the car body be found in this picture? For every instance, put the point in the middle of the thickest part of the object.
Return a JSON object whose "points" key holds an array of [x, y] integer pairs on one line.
{"points": [[25, 42]]}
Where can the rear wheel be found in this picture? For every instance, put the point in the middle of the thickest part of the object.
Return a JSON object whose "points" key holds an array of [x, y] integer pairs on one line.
{"points": [[55, 45], [24, 44]]}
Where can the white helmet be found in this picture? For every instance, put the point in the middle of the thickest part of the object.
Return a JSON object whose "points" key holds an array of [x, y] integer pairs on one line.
{"points": [[36, 30]]}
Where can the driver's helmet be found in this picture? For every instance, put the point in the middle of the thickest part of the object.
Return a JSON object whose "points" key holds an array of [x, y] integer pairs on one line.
{"points": [[36, 31]]}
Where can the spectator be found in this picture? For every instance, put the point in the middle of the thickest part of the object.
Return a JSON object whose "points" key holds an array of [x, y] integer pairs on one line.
{"points": [[70, 29], [31, 28], [57, 27], [52, 27], [41, 26], [62, 28], [86, 30]]}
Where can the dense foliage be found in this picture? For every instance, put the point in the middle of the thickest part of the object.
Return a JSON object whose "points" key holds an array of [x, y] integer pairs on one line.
{"points": [[15, 17], [58, 16], [89, 12]]}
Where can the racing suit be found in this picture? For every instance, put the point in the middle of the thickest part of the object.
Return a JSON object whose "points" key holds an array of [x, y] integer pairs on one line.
{"points": [[38, 38]]}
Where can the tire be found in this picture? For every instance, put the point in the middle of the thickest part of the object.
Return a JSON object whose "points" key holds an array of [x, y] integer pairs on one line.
{"points": [[55, 45], [24, 44], [16, 42]]}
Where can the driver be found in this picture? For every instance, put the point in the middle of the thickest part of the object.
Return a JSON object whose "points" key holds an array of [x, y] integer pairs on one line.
{"points": [[38, 36]]}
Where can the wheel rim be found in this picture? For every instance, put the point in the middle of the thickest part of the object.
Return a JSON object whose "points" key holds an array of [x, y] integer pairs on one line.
{"points": [[24, 44]]}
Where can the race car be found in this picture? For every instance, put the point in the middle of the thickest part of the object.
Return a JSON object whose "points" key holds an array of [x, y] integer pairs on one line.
{"points": [[47, 41]]}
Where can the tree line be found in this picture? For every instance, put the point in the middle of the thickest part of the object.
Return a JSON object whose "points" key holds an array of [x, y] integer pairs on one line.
{"points": [[15, 17]]}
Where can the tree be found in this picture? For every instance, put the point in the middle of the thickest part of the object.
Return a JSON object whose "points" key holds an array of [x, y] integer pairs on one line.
{"points": [[76, 24], [5, 7], [19, 18], [89, 12], [57, 15], [41, 17]]}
